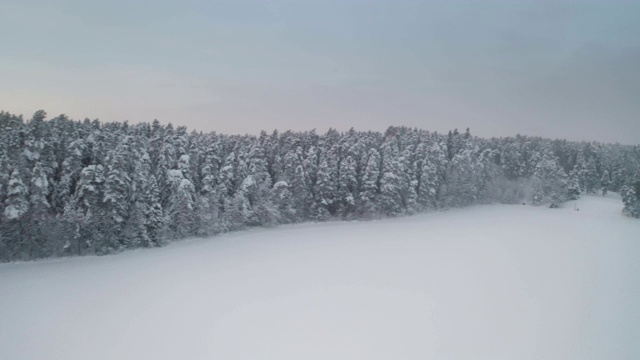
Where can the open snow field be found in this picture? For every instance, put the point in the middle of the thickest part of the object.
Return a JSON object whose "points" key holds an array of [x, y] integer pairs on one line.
{"points": [[487, 282]]}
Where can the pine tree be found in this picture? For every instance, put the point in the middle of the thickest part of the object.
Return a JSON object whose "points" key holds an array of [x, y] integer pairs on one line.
{"points": [[182, 209], [207, 206], [630, 201], [605, 181], [347, 187], [87, 222], [79, 187], [233, 216], [368, 197], [254, 193], [69, 174], [573, 186], [512, 163], [391, 184], [439, 164], [590, 175], [118, 194], [184, 165], [14, 224], [549, 183], [461, 189], [488, 177], [155, 221], [136, 227], [408, 182], [325, 193], [301, 194], [631, 197], [5, 174], [427, 185], [282, 199], [16, 204], [39, 213]]}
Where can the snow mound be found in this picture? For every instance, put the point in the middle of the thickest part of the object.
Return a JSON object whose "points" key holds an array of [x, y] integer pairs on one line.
{"points": [[488, 282]]}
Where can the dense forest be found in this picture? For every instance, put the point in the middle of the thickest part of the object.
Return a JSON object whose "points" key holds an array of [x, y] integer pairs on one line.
{"points": [[85, 187]]}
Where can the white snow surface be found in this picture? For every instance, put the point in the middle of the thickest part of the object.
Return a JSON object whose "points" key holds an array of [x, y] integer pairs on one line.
{"points": [[487, 282]]}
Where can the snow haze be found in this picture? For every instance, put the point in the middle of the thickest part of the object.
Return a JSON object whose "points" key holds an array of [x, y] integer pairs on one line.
{"points": [[485, 282]]}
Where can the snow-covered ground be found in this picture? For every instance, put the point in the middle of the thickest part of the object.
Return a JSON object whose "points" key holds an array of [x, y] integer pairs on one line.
{"points": [[487, 282]]}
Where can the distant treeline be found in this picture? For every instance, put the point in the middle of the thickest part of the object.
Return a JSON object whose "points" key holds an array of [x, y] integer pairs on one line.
{"points": [[85, 187]]}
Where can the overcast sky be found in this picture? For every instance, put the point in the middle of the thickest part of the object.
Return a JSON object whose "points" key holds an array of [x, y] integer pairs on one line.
{"points": [[556, 69]]}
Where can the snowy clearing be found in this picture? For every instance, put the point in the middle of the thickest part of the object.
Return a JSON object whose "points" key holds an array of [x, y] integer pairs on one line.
{"points": [[487, 282]]}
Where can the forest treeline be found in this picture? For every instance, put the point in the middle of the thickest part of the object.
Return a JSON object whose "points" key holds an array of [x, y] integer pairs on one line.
{"points": [[86, 187]]}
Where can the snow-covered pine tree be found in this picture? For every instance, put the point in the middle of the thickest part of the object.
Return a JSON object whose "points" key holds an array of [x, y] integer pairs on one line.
{"points": [[184, 165], [461, 187], [310, 165], [5, 174], [155, 220], [325, 193], [225, 190], [391, 186], [283, 201], [310, 176], [438, 159], [39, 214], [180, 216], [511, 161], [368, 206], [184, 209], [207, 208], [14, 223], [301, 194], [256, 189], [118, 194], [631, 196], [488, 177], [605, 181], [85, 215], [573, 186], [69, 173], [347, 187], [409, 182], [590, 175], [549, 184], [136, 227], [427, 183]]}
